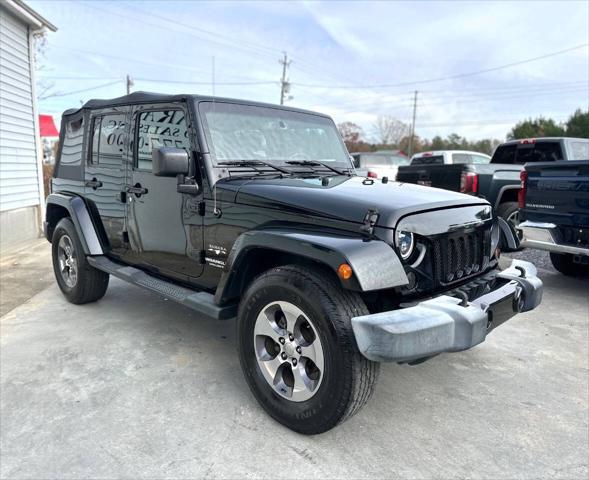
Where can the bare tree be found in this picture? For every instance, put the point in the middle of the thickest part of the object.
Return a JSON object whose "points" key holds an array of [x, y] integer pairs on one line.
{"points": [[350, 132], [389, 130], [43, 86]]}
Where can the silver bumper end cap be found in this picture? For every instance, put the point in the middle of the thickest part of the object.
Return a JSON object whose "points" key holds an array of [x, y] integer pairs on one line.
{"points": [[444, 324]]}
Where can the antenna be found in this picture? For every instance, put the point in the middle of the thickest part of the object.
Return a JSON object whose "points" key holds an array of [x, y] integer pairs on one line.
{"points": [[213, 74]]}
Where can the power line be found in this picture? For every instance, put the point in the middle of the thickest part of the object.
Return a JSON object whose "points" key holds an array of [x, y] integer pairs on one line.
{"points": [[79, 91], [196, 32], [379, 101], [452, 77], [189, 82]]}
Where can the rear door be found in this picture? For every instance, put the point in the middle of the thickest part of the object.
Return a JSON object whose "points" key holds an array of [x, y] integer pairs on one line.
{"points": [[105, 174], [157, 213]]}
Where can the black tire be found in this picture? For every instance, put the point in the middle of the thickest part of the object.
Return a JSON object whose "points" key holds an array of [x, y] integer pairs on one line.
{"points": [[349, 378], [90, 284], [563, 262], [506, 210]]}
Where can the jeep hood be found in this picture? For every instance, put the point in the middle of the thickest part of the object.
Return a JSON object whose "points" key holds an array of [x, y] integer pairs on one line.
{"points": [[348, 198]]}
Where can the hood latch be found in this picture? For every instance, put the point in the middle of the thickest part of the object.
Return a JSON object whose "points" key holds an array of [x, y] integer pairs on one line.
{"points": [[369, 222]]}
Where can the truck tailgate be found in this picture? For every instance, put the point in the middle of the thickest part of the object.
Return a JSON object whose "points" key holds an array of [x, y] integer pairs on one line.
{"points": [[558, 192], [439, 176]]}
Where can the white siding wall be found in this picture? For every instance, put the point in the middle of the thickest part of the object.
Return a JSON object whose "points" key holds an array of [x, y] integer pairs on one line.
{"points": [[19, 180]]}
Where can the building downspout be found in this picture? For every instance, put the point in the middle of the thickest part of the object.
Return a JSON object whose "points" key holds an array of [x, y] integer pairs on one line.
{"points": [[38, 149]]}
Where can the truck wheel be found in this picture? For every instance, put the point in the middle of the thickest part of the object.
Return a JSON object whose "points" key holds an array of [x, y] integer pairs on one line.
{"points": [[509, 211], [563, 262], [78, 280], [298, 351]]}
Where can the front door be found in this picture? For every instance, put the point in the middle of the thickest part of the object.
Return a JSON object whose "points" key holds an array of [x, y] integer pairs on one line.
{"points": [[105, 175], [157, 235]]}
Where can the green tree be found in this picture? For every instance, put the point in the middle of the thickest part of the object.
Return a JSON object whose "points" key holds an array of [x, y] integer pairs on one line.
{"points": [[539, 127], [578, 124]]}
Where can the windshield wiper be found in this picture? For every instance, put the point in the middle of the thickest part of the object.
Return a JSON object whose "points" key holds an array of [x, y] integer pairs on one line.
{"points": [[253, 163], [315, 163]]}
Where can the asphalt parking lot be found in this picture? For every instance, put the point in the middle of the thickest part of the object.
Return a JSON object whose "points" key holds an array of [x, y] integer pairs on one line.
{"points": [[136, 386]]}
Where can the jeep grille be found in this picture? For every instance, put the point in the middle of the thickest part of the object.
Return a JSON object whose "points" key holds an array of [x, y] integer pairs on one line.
{"points": [[461, 255]]}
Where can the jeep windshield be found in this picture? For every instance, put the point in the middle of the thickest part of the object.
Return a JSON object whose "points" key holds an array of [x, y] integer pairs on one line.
{"points": [[238, 133]]}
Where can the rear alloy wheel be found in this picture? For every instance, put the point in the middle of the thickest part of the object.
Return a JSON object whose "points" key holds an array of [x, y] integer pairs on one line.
{"points": [[79, 281], [68, 261]]}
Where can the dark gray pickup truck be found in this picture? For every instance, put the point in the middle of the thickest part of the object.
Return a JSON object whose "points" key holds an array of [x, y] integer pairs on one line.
{"points": [[554, 208], [498, 181]]}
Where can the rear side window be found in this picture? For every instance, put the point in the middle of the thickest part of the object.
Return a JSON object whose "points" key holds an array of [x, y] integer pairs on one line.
{"points": [[71, 150], [108, 140], [375, 161], [159, 128], [579, 150], [539, 152], [528, 153], [461, 158], [481, 159], [431, 160], [504, 154]]}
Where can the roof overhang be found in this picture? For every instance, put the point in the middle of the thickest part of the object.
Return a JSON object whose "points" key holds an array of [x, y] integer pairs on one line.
{"points": [[28, 15]]}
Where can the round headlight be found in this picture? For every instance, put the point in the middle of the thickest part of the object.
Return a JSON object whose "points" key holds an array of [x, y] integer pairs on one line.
{"points": [[405, 243]]}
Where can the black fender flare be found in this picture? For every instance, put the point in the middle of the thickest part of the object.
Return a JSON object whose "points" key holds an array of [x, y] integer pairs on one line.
{"points": [[507, 233], [80, 215], [374, 263]]}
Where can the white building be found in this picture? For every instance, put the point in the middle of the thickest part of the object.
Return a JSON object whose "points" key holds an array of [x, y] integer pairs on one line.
{"points": [[21, 174]]}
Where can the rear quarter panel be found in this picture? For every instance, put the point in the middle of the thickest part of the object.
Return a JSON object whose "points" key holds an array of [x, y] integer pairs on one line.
{"points": [[558, 192]]}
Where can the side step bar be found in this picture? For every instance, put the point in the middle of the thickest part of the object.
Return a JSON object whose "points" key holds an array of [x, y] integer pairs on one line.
{"points": [[201, 302]]}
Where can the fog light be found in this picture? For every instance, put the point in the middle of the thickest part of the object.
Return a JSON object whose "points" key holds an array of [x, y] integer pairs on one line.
{"points": [[344, 271]]}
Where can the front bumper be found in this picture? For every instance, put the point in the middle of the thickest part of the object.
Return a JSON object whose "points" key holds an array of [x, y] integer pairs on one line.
{"points": [[444, 323], [545, 236]]}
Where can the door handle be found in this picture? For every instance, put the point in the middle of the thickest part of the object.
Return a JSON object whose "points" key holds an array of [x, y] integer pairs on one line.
{"points": [[137, 189], [94, 183]]}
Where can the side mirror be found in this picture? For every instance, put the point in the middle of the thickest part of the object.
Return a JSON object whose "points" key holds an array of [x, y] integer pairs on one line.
{"points": [[169, 162]]}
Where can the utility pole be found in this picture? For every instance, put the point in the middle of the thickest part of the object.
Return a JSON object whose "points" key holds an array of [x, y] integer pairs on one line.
{"points": [[130, 83], [284, 83], [413, 124]]}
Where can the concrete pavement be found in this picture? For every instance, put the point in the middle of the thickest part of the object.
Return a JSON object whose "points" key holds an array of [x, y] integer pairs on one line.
{"points": [[135, 386], [24, 272]]}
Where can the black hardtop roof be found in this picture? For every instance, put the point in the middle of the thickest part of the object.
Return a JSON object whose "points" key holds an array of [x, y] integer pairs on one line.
{"points": [[149, 97]]}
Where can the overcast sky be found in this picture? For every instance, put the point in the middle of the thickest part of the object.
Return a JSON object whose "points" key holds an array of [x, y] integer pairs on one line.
{"points": [[352, 60]]}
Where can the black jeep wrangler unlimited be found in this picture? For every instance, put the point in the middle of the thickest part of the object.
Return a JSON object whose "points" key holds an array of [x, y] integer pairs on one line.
{"points": [[239, 209]]}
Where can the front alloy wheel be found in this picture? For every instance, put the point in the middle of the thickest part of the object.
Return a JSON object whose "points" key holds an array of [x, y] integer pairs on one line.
{"points": [[297, 349], [289, 351]]}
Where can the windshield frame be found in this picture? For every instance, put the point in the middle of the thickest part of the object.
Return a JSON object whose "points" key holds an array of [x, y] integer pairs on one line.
{"points": [[208, 150]]}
